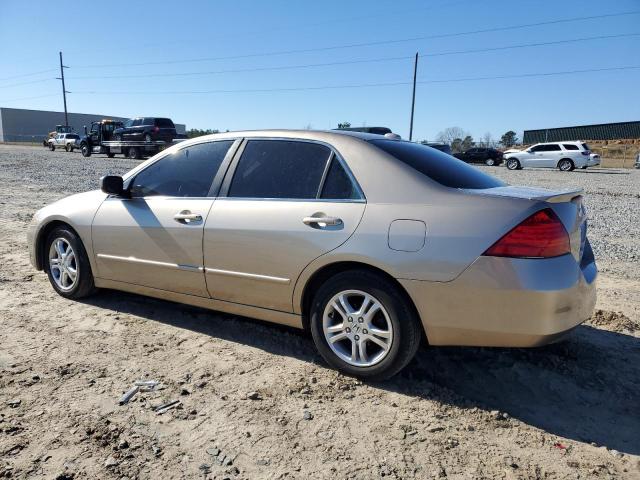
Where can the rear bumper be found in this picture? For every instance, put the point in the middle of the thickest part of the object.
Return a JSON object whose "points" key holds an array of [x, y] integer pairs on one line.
{"points": [[506, 302]]}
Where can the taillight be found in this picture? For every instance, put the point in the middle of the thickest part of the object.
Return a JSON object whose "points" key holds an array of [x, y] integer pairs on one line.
{"points": [[542, 235], [586, 152], [156, 129]]}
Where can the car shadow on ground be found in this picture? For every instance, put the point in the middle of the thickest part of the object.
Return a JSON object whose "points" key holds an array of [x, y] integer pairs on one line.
{"points": [[585, 388]]}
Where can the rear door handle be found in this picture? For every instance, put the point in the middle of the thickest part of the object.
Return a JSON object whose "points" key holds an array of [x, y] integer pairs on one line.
{"points": [[328, 221], [186, 216]]}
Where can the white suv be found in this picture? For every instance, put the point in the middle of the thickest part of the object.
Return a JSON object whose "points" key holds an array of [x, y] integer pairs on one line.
{"points": [[562, 155]]}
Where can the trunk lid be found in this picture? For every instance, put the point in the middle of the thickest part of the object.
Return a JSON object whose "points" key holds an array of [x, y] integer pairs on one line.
{"points": [[567, 204]]}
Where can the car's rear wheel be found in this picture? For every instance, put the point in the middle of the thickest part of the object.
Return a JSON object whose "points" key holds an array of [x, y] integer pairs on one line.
{"points": [[490, 162], [111, 154], [513, 164], [566, 165], [52, 147], [362, 324], [67, 264], [134, 153], [117, 138], [147, 138]]}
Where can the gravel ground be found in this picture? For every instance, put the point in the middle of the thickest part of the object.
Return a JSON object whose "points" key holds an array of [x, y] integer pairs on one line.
{"points": [[257, 402]]}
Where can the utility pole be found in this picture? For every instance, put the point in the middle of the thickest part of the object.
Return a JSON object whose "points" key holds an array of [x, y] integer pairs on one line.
{"points": [[64, 90], [413, 98]]}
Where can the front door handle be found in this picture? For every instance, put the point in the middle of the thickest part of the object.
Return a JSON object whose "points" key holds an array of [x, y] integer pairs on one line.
{"points": [[327, 221], [186, 216]]}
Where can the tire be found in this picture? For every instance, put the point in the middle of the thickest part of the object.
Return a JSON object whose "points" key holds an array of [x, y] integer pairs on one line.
{"points": [[147, 138], [117, 138], [396, 319], [111, 155], [134, 153], [490, 162], [52, 147], [66, 148], [61, 277], [513, 164], [566, 165], [86, 151], [584, 168]]}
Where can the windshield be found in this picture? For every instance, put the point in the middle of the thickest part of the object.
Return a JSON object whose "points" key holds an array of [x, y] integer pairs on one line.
{"points": [[438, 166]]}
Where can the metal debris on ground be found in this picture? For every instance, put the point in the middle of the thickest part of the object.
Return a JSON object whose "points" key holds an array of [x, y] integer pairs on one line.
{"points": [[160, 409], [138, 386]]}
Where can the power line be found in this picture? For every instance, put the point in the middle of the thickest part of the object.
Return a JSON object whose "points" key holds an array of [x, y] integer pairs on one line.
{"points": [[27, 74], [29, 98], [361, 85], [26, 83], [367, 44], [360, 61]]}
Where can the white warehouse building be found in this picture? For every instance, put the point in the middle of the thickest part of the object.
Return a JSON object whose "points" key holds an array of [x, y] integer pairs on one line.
{"points": [[21, 125]]}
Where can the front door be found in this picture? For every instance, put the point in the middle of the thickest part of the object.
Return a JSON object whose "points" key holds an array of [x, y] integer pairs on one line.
{"points": [[154, 238], [287, 203]]}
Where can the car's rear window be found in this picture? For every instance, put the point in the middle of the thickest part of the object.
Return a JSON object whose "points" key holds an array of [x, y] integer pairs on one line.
{"points": [[438, 166], [164, 123]]}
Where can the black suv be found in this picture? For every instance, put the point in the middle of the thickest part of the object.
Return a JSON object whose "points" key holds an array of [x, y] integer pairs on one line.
{"points": [[488, 156], [147, 129]]}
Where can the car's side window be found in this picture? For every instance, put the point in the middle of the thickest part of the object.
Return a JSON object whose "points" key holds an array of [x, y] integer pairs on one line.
{"points": [[338, 185], [188, 172], [285, 169], [553, 148], [128, 123], [136, 122]]}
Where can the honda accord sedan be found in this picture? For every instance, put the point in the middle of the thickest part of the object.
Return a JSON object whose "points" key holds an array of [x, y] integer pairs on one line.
{"points": [[371, 243]]}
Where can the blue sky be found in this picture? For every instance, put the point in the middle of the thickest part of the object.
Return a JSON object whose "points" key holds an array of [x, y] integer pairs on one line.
{"points": [[115, 33]]}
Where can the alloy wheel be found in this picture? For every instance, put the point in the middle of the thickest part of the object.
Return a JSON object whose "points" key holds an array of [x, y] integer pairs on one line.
{"points": [[63, 264], [357, 328]]}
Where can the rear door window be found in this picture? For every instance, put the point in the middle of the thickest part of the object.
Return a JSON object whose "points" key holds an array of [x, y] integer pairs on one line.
{"points": [[338, 185], [279, 169], [439, 167], [186, 173]]}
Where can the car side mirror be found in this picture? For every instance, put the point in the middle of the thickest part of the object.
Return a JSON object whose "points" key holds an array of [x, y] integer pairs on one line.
{"points": [[112, 184], [529, 150]]}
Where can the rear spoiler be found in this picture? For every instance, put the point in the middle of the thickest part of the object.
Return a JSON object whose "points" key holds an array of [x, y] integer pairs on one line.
{"points": [[530, 193]]}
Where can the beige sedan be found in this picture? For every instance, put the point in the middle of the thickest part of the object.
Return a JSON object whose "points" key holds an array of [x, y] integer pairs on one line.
{"points": [[369, 242]]}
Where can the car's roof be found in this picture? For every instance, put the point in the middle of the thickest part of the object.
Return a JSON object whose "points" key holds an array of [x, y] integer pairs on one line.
{"points": [[560, 143], [320, 135]]}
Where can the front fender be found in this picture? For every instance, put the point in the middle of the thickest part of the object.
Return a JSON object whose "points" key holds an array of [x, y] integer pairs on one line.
{"points": [[77, 211]]}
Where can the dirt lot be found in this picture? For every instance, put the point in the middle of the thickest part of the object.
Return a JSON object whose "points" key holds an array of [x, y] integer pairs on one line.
{"points": [[256, 397]]}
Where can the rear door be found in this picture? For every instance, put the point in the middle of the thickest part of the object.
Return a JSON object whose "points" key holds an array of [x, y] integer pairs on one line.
{"points": [[284, 203], [154, 238]]}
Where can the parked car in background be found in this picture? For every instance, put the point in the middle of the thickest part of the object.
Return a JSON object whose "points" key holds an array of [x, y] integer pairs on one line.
{"points": [[488, 156], [147, 129], [637, 164], [374, 130], [565, 156], [302, 228], [443, 147], [64, 140]]}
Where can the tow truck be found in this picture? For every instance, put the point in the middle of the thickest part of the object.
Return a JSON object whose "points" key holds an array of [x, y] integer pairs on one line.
{"points": [[99, 140]]}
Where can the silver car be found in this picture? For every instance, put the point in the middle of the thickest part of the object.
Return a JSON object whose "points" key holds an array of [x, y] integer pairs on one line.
{"points": [[370, 243]]}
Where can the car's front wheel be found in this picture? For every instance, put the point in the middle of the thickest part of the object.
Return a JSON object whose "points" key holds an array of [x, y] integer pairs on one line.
{"points": [[363, 325], [67, 264], [86, 151], [490, 162], [52, 147], [513, 164]]}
